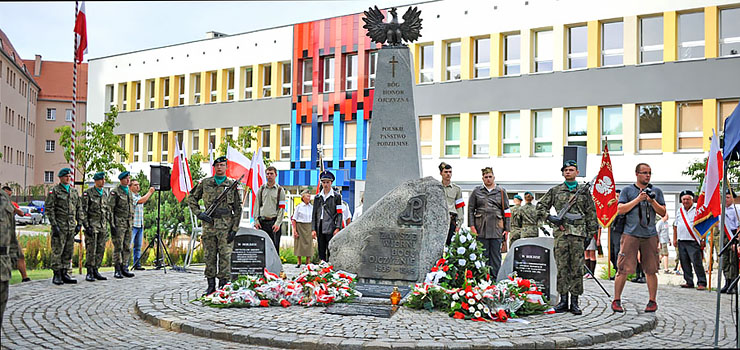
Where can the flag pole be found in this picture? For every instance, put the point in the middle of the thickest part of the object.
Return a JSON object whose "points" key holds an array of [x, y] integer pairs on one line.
{"points": [[719, 258], [72, 161]]}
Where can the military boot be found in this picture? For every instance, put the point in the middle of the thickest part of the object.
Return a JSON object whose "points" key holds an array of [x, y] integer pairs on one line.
{"points": [[57, 278], [66, 278], [574, 309], [98, 276], [222, 282], [124, 271], [562, 306], [117, 274], [211, 286], [90, 277]]}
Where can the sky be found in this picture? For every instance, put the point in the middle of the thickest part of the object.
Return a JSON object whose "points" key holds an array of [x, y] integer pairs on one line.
{"points": [[113, 27]]}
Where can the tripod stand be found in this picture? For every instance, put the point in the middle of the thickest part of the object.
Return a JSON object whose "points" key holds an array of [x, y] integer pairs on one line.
{"points": [[158, 242]]}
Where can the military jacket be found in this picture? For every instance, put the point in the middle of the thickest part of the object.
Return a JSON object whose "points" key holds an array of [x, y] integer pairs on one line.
{"points": [[557, 197], [121, 205], [63, 208], [527, 216], [486, 209], [228, 214], [516, 222], [95, 207], [8, 241]]}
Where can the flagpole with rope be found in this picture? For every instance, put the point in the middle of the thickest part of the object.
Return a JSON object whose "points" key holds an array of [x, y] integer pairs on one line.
{"points": [[74, 99]]}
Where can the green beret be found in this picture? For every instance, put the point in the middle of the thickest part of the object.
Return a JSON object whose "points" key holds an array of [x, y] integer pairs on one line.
{"points": [[221, 159], [516, 196], [99, 175], [64, 172], [529, 193], [568, 163], [123, 175]]}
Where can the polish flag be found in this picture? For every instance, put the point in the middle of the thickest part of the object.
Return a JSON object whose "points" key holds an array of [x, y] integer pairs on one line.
{"points": [[237, 164], [80, 33], [709, 204], [256, 177], [459, 203], [211, 152], [180, 182], [507, 213]]}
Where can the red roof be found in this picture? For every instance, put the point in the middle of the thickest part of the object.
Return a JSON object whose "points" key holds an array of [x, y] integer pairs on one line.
{"points": [[7, 47], [56, 79]]}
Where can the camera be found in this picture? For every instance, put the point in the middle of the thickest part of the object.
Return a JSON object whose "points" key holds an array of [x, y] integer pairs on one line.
{"points": [[649, 193]]}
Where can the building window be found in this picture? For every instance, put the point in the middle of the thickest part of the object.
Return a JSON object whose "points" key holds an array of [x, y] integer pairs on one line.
{"points": [[138, 95], [48, 177], [266, 80], [510, 137], [351, 72], [481, 138], [543, 51], [612, 43], [426, 63], [372, 68], [122, 143], [68, 115], [109, 96], [305, 142], [195, 142], [166, 91], [196, 88], [512, 54], [181, 91], [327, 140], [285, 142], [577, 127], [151, 93], [482, 58], [248, 83], [51, 113], [611, 128], [50, 145], [651, 39], [149, 140], [452, 68], [287, 79], [690, 126], [691, 35], [307, 77], [328, 74], [164, 140], [577, 47], [213, 85], [230, 85], [124, 96], [452, 135], [649, 126], [425, 136], [350, 141], [725, 109], [729, 32], [136, 147], [266, 141], [542, 132]]}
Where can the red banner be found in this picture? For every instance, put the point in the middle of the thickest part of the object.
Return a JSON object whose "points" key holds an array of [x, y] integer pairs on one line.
{"points": [[605, 197]]}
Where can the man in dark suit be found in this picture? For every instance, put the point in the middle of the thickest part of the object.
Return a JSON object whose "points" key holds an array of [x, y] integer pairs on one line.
{"points": [[327, 214]]}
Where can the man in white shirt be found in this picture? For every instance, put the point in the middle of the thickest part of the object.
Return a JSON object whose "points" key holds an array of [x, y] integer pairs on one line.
{"points": [[729, 258], [687, 241]]}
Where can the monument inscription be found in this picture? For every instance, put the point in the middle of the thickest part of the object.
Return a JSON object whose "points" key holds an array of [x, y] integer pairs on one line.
{"points": [[248, 256], [533, 262], [392, 254]]}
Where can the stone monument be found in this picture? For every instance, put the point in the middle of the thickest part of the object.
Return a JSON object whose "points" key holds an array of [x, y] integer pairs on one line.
{"points": [[533, 258], [252, 252]]}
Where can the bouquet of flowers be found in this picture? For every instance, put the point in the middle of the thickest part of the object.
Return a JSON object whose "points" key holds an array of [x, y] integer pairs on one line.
{"points": [[464, 254]]}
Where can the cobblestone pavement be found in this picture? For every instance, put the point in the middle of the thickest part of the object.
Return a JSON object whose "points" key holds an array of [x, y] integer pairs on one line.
{"points": [[104, 315]]}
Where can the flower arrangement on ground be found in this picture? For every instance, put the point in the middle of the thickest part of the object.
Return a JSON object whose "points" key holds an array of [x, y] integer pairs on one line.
{"points": [[315, 285]]}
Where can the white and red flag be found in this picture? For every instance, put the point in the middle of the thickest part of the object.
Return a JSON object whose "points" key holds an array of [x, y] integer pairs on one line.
{"points": [[237, 164], [709, 205], [604, 192], [257, 177], [81, 33], [180, 181]]}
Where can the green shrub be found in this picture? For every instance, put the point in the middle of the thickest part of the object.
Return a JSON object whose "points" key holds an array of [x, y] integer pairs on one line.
{"points": [[287, 256], [198, 255]]}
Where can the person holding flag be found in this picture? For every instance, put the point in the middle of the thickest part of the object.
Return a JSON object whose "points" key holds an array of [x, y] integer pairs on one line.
{"points": [[690, 246], [489, 217], [605, 200]]}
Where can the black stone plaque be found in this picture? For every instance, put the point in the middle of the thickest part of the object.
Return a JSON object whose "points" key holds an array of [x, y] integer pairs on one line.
{"points": [[391, 254], [248, 256], [358, 309], [533, 262], [372, 290]]}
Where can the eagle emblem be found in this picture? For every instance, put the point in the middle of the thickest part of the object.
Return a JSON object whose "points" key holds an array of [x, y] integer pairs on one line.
{"points": [[604, 185], [392, 32]]}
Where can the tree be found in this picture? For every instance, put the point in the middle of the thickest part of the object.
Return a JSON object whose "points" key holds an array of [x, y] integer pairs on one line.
{"points": [[174, 216], [97, 148], [243, 142], [196, 172], [696, 171]]}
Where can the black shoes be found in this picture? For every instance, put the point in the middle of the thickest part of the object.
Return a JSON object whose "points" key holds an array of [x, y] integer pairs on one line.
{"points": [[211, 286], [90, 276], [562, 306], [124, 271], [66, 278], [57, 279], [574, 309], [222, 282], [139, 268], [98, 276], [117, 274]]}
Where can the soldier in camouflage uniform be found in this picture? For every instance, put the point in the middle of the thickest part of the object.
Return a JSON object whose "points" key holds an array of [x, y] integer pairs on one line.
{"points": [[570, 234], [219, 232], [65, 216], [121, 205], [528, 217], [8, 248], [516, 224], [97, 217]]}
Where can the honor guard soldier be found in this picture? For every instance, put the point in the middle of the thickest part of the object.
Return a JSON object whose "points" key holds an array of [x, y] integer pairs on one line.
{"points": [[97, 216], [569, 233], [516, 225], [455, 202], [528, 217], [121, 204], [8, 248], [65, 216], [220, 228]]}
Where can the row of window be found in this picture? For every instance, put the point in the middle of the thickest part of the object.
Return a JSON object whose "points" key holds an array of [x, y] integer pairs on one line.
{"points": [[12, 79], [9, 153], [51, 114], [10, 118], [327, 73]]}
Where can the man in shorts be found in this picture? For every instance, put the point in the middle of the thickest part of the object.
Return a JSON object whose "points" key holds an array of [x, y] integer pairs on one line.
{"points": [[641, 202], [665, 239]]}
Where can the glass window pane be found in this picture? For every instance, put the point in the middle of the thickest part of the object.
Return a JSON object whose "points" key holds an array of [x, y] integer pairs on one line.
{"points": [[543, 124], [480, 149], [650, 119], [691, 27], [544, 66], [691, 52], [350, 133], [480, 128], [305, 135], [690, 143], [483, 50], [427, 57], [650, 144], [543, 147], [453, 54], [725, 109], [577, 122], [511, 126], [511, 148], [614, 145], [730, 49], [327, 134], [452, 128], [651, 56], [651, 31], [575, 63], [513, 47], [452, 150], [611, 123], [577, 39], [425, 129], [612, 36], [308, 70], [512, 69], [544, 45], [729, 23], [482, 72], [690, 117]]}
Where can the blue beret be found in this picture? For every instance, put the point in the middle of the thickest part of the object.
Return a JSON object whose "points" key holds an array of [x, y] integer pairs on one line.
{"points": [[99, 175], [516, 196], [64, 172], [221, 159], [326, 175], [123, 174]]}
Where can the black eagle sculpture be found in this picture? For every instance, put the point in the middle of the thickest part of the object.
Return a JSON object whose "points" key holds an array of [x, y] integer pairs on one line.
{"points": [[392, 32]]}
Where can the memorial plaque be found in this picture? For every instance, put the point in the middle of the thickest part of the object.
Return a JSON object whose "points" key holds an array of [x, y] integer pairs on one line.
{"points": [[357, 309], [372, 290], [533, 262], [391, 254], [248, 256]]}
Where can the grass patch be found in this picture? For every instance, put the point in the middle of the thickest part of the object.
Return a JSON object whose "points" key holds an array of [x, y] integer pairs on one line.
{"points": [[35, 228], [42, 274]]}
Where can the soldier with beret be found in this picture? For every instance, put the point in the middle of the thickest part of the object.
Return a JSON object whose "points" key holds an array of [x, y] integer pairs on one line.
{"points": [[326, 220], [516, 226], [220, 228], [65, 216], [9, 248], [489, 218], [570, 234], [527, 217], [455, 202], [96, 219], [121, 204]]}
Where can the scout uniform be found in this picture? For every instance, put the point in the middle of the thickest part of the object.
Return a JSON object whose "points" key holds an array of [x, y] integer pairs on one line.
{"points": [[326, 217], [455, 204], [269, 210], [225, 223], [8, 248], [121, 204], [65, 216], [569, 243], [97, 217], [528, 219]]}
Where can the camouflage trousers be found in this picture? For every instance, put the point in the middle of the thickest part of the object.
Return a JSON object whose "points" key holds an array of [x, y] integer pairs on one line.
{"points": [[62, 247], [569, 259], [217, 253], [121, 244], [3, 299], [730, 265], [514, 235], [530, 231], [95, 241]]}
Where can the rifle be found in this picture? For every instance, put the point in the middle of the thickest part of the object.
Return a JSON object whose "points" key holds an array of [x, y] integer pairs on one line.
{"points": [[207, 215]]}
